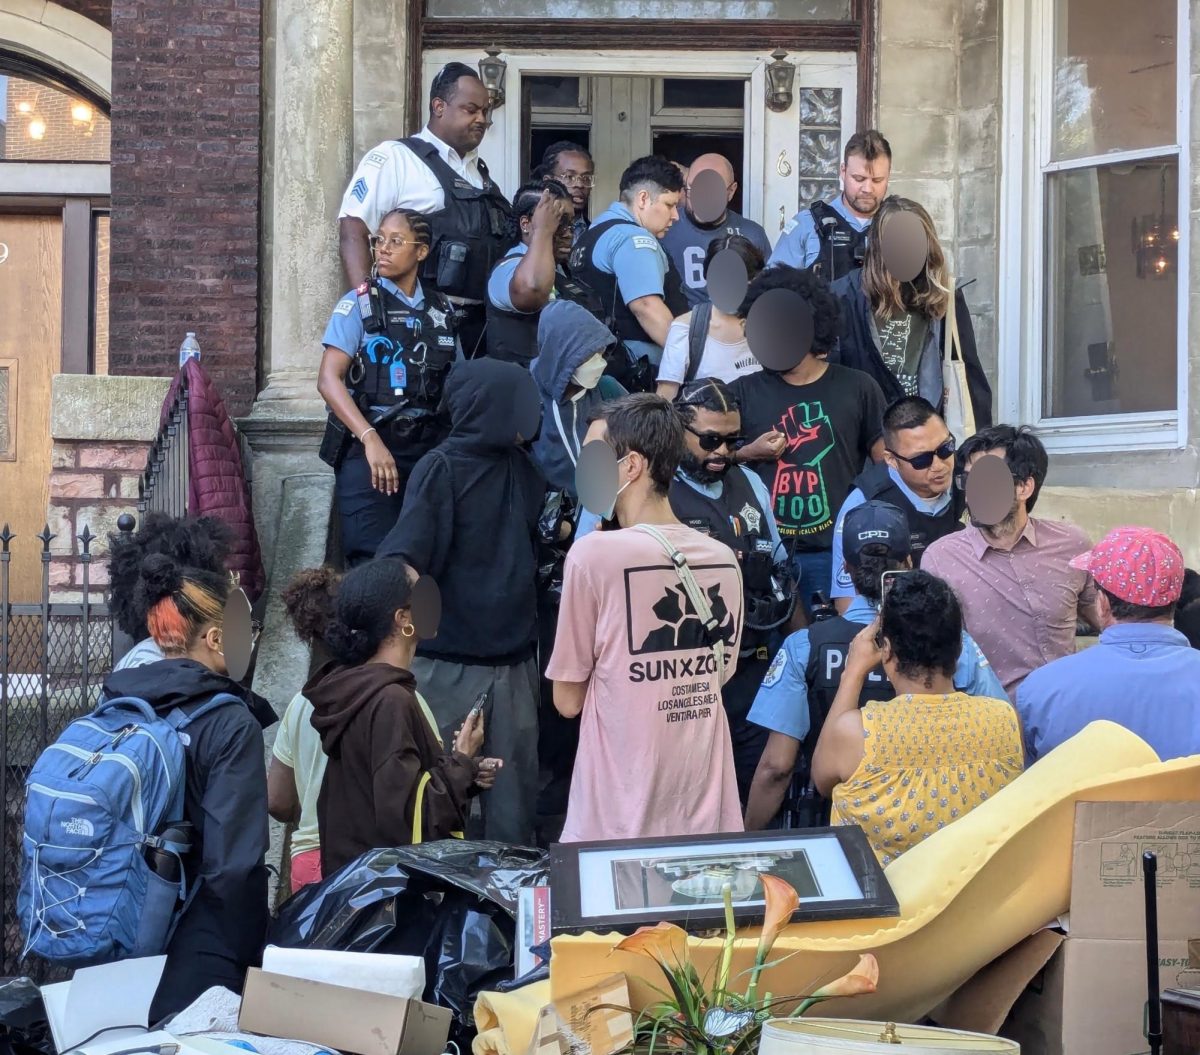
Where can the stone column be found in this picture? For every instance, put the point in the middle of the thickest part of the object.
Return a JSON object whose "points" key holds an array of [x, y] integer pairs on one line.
{"points": [[381, 71]]}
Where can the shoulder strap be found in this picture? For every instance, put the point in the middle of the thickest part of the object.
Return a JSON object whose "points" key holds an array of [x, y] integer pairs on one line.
{"points": [[950, 326], [697, 335], [180, 719], [694, 593]]}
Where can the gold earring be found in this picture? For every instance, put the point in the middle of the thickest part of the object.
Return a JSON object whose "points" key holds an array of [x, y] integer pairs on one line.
{"points": [[408, 630]]}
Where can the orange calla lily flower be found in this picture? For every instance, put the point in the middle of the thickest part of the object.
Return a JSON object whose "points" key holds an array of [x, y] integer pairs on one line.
{"points": [[863, 978], [663, 942], [782, 900]]}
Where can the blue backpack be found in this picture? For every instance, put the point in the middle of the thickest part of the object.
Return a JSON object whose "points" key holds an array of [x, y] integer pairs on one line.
{"points": [[96, 801]]}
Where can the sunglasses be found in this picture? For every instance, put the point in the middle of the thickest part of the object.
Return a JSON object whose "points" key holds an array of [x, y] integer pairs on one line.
{"points": [[944, 451], [710, 441]]}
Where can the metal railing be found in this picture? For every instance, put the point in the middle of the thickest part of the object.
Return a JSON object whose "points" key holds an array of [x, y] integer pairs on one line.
{"points": [[164, 484], [53, 660]]}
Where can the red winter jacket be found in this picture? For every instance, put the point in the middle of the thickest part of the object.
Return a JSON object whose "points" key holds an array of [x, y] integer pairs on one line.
{"points": [[217, 484]]}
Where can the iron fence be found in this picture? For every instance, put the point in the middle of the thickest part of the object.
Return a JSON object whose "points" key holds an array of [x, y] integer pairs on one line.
{"points": [[53, 659], [164, 484]]}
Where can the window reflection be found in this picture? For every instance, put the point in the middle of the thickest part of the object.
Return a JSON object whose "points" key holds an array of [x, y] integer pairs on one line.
{"points": [[43, 123]]}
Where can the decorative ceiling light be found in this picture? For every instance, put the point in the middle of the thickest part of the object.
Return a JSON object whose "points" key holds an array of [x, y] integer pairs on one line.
{"points": [[37, 128], [1156, 239], [81, 112]]}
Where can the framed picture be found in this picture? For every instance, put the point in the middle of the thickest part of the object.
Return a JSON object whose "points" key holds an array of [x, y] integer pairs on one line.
{"points": [[624, 885]]}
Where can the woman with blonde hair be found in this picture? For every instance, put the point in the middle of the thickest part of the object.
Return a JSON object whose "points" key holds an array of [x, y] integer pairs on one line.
{"points": [[894, 329]]}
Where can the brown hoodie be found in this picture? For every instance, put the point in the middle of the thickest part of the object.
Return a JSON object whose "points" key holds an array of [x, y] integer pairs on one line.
{"points": [[379, 744]]}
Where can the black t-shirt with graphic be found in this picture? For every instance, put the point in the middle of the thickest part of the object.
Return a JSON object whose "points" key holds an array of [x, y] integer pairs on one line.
{"points": [[901, 342], [830, 425]]}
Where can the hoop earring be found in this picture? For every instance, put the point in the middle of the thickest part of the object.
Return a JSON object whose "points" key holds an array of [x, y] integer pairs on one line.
{"points": [[408, 630]]}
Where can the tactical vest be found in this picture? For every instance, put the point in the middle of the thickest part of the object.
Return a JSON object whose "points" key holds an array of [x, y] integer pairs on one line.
{"points": [[829, 642], [406, 361], [924, 528], [617, 314], [717, 517], [512, 335], [471, 231], [843, 247]]}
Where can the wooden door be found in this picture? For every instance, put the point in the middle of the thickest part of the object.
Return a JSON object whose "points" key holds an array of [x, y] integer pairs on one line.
{"points": [[30, 350], [620, 131]]}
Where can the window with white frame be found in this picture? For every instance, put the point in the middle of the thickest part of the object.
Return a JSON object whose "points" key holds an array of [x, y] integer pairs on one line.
{"points": [[1104, 246]]}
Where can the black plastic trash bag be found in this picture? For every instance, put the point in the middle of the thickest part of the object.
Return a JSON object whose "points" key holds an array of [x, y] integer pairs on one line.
{"points": [[451, 902], [23, 1026]]}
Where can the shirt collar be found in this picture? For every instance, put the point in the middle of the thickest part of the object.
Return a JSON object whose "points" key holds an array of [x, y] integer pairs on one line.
{"points": [[417, 300], [839, 206], [980, 544], [1147, 633], [860, 611], [447, 152], [933, 506], [713, 490]]}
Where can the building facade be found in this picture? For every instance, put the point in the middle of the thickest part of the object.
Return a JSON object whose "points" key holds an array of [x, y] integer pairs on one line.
{"points": [[190, 159]]}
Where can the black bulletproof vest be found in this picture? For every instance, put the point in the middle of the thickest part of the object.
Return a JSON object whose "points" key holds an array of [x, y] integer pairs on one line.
{"points": [[829, 642], [512, 335], [842, 247], [470, 232], [620, 319], [406, 363], [924, 528]]}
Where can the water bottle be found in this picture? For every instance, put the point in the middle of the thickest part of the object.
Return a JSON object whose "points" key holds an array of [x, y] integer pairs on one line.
{"points": [[190, 349]]}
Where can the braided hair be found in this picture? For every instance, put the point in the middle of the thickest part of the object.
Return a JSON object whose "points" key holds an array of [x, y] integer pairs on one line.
{"points": [[417, 222], [705, 393], [526, 201], [545, 168]]}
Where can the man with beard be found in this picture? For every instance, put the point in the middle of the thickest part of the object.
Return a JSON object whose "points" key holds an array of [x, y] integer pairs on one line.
{"points": [[733, 507], [687, 240], [1012, 572], [438, 173], [831, 236]]}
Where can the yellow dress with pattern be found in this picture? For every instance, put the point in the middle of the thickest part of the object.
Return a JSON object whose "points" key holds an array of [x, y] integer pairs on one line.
{"points": [[927, 760]]}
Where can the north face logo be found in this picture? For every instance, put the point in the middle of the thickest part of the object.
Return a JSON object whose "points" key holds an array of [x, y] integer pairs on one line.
{"points": [[79, 826]]}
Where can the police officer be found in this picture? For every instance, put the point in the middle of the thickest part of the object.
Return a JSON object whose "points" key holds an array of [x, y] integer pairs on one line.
{"points": [[621, 258], [437, 172], [732, 504], [388, 347], [916, 475], [804, 676], [831, 237], [531, 275]]}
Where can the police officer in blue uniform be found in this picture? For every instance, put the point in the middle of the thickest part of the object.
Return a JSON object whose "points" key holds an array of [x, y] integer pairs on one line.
{"points": [[388, 347]]}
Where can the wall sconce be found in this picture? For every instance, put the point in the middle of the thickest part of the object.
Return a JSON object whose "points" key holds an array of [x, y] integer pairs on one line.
{"points": [[1156, 240], [491, 72], [780, 78]]}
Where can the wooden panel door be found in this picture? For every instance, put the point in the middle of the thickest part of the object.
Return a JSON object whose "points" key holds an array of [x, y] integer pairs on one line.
{"points": [[30, 349], [620, 131]]}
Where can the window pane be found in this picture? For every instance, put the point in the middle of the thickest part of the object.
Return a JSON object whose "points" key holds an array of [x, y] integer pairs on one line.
{"points": [[100, 296], [692, 93], [791, 10], [41, 123], [558, 93], [1111, 319], [1114, 76]]}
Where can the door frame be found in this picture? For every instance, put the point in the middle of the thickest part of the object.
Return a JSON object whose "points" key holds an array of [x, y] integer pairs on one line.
{"points": [[770, 140]]}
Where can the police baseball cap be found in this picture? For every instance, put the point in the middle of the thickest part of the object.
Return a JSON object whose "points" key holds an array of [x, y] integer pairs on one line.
{"points": [[875, 523]]}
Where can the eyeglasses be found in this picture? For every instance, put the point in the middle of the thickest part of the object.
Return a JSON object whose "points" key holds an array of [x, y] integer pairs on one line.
{"points": [[395, 242], [944, 451], [573, 180], [710, 441]]}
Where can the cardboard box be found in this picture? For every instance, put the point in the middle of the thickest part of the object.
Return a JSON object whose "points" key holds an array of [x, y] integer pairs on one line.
{"points": [[1086, 992], [341, 1019]]}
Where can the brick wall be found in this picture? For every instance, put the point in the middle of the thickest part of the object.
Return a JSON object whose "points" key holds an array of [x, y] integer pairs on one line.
{"points": [[185, 189], [97, 10]]}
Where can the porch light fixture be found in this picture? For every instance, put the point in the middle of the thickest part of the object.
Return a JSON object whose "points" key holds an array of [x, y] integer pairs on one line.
{"points": [[1156, 239], [780, 78], [491, 72]]}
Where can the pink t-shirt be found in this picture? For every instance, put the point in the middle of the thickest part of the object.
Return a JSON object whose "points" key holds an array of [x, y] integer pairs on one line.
{"points": [[654, 751]]}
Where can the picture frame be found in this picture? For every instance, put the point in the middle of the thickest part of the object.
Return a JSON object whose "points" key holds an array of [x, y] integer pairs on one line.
{"points": [[624, 885]]}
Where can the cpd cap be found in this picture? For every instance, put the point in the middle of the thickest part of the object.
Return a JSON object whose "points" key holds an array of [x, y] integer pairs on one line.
{"points": [[1137, 565], [873, 523]]}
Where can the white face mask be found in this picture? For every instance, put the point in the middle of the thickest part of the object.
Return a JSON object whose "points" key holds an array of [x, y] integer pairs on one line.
{"points": [[608, 513], [587, 375]]}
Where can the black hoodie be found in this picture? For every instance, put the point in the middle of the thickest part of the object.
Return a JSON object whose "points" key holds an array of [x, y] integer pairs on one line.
{"points": [[470, 521], [380, 744], [225, 798]]}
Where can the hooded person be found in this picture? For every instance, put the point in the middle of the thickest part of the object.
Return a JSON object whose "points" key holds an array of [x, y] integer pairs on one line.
{"points": [[221, 932], [470, 522], [388, 780], [567, 371]]}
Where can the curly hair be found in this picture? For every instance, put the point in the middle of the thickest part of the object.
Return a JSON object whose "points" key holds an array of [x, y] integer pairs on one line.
{"points": [[310, 601], [202, 543], [180, 602], [922, 621], [827, 315]]}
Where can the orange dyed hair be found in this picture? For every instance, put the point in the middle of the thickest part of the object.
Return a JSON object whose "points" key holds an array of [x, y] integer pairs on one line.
{"points": [[177, 620]]}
